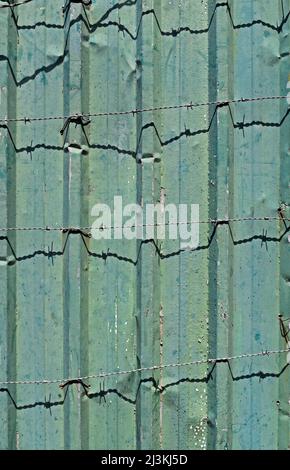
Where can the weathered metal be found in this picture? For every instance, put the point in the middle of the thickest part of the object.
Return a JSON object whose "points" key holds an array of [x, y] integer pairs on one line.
{"points": [[122, 304]]}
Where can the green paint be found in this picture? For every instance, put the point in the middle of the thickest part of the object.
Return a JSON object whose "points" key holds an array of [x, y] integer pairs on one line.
{"points": [[78, 314]]}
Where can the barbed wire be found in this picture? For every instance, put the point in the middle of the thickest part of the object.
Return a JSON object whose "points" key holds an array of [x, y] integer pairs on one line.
{"points": [[102, 375], [112, 227], [133, 112]]}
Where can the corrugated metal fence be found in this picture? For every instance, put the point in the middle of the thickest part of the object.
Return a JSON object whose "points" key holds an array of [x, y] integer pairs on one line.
{"points": [[73, 306]]}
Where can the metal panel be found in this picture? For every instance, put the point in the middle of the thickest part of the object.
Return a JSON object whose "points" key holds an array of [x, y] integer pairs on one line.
{"points": [[72, 306]]}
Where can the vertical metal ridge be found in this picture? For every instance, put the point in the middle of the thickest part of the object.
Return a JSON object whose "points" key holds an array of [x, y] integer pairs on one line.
{"points": [[11, 219], [284, 291], [85, 221], [213, 274], [124, 306], [139, 146]]}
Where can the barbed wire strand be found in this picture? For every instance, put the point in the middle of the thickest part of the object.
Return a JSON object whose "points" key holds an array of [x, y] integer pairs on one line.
{"points": [[112, 227], [132, 112], [102, 375]]}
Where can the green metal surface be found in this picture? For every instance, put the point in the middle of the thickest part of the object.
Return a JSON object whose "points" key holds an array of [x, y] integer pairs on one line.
{"points": [[75, 314]]}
